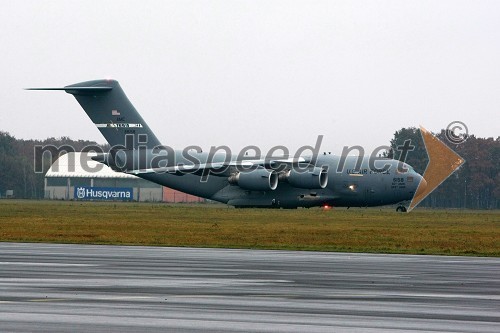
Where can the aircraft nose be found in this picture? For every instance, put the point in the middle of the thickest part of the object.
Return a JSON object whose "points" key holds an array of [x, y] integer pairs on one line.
{"points": [[420, 191], [422, 184]]}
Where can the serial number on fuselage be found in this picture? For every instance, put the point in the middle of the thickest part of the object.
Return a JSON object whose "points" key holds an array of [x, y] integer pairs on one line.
{"points": [[366, 172]]}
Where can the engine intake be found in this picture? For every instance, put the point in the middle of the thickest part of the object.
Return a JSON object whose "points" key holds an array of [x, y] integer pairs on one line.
{"points": [[311, 178], [255, 180]]}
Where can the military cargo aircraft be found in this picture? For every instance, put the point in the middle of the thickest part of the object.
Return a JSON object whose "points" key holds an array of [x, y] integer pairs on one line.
{"points": [[241, 181]]}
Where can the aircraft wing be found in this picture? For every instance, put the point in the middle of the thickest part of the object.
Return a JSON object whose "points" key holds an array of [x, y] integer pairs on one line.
{"points": [[218, 167]]}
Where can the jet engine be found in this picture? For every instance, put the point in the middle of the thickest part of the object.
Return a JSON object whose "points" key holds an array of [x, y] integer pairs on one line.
{"points": [[311, 178], [255, 180]]}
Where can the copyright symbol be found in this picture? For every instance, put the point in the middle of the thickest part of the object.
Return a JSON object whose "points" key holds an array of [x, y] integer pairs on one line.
{"points": [[457, 132]]}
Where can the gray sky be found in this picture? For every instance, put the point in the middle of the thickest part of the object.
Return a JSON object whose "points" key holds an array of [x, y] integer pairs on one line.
{"points": [[255, 72]]}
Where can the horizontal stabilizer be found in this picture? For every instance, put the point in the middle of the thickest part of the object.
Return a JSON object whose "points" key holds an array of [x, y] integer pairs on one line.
{"points": [[73, 90]]}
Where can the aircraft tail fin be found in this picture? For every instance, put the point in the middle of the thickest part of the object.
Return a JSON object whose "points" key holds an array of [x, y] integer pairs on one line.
{"points": [[108, 107]]}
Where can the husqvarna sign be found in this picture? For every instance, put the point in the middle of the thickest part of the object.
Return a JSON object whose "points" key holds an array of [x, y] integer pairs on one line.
{"points": [[104, 193]]}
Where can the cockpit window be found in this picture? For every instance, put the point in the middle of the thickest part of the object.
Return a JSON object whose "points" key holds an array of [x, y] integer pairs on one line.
{"points": [[403, 168]]}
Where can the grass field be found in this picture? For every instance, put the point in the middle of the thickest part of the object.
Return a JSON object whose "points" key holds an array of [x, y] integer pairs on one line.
{"points": [[451, 232]]}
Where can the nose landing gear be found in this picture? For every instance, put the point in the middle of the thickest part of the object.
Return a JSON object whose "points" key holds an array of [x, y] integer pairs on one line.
{"points": [[401, 209]]}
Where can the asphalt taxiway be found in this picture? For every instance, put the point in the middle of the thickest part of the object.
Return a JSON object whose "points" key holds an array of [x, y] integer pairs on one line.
{"points": [[72, 288]]}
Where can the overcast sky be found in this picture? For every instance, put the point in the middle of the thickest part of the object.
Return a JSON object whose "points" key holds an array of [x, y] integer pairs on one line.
{"points": [[255, 72]]}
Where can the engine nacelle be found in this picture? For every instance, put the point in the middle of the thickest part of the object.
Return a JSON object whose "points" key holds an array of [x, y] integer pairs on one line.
{"points": [[255, 180], [311, 178]]}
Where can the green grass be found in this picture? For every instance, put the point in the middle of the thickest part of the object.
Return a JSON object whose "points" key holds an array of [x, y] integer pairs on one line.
{"points": [[451, 232]]}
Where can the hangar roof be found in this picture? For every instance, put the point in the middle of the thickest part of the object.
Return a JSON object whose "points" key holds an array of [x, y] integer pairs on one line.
{"points": [[80, 165]]}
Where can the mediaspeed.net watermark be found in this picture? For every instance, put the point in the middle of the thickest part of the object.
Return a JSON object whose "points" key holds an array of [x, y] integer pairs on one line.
{"points": [[138, 158]]}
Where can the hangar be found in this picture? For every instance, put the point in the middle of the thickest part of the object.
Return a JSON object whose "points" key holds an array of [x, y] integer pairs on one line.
{"points": [[75, 176]]}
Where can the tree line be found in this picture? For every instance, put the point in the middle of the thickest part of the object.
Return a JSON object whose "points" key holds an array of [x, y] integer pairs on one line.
{"points": [[475, 185], [17, 164]]}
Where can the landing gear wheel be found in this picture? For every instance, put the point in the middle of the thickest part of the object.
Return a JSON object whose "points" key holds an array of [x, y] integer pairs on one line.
{"points": [[401, 209]]}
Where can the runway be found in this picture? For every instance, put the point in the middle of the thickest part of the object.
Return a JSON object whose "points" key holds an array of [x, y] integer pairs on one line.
{"points": [[71, 288]]}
